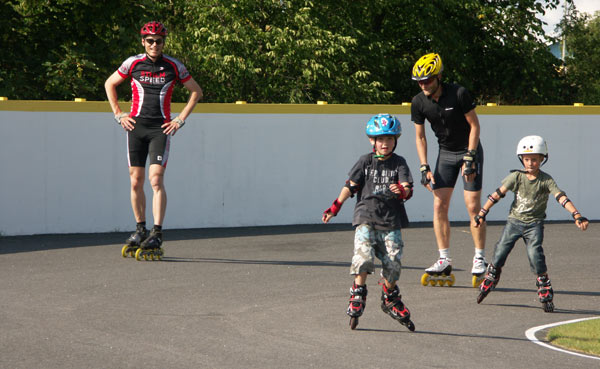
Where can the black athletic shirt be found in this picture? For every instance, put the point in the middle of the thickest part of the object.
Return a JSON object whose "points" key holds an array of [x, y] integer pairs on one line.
{"points": [[152, 85], [376, 205], [447, 115]]}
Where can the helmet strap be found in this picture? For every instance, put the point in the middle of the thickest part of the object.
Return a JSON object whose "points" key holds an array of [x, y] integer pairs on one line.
{"points": [[439, 84]]}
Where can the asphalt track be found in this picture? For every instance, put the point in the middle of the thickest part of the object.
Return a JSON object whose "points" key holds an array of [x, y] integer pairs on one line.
{"points": [[275, 297]]}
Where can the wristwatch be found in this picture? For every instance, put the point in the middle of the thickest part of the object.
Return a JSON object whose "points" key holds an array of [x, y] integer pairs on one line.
{"points": [[120, 116]]}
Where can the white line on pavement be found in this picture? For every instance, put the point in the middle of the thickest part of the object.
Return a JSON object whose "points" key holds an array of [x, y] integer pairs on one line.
{"points": [[530, 334]]}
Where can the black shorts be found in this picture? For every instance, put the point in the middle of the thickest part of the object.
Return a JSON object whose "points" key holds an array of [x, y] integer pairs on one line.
{"points": [[146, 141], [448, 167]]}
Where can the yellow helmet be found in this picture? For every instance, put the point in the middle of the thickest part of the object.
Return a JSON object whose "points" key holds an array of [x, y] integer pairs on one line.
{"points": [[427, 66]]}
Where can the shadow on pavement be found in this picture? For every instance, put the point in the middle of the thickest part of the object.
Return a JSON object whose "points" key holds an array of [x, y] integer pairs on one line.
{"points": [[557, 309], [446, 334], [268, 262], [556, 292], [16, 244]]}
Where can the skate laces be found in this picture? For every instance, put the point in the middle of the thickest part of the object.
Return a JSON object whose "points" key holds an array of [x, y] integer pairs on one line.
{"points": [[402, 312], [479, 261], [358, 295], [543, 281], [487, 283]]}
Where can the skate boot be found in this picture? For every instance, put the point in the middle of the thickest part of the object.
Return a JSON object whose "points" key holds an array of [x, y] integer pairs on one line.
{"points": [[478, 270], [491, 279], [356, 306], [440, 273], [391, 304], [134, 241], [545, 293], [150, 248]]}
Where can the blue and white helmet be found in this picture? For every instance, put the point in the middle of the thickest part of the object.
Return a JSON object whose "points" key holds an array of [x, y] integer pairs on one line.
{"points": [[383, 125]]}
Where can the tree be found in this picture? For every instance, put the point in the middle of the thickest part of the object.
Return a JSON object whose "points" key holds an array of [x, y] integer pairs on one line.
{"points": [[583, 37], [61, 49], [286, 51], [270, 51]]}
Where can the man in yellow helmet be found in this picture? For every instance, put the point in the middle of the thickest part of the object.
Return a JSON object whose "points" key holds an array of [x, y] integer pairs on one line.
{"points": [[450, 110]]}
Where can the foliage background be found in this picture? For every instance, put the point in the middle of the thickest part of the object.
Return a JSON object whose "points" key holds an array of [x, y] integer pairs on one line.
{"points": [[299, 51]]}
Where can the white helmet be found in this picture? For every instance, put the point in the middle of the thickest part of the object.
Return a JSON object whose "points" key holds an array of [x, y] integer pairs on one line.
{"points": [[532, 145]]}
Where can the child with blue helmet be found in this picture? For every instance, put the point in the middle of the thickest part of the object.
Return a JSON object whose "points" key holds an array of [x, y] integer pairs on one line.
{"points": [[382, 182]]}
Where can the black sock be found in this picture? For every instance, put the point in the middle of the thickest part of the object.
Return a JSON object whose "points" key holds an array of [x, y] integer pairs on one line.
{"points": [[157, 228], [141, 225]]}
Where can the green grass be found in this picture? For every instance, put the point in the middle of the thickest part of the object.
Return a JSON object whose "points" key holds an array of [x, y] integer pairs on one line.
{"points": [[581, 336]]}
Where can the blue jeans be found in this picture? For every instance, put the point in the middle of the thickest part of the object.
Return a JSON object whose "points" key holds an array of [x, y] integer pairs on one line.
{"points": [[532, 234]]}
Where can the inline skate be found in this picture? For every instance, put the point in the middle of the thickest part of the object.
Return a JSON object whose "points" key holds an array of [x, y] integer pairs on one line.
{"points": [[478, 270], [440, 273], [150, 248], [134, 241], [357, 303], [490, 281], [391, 304], [545, 293]]}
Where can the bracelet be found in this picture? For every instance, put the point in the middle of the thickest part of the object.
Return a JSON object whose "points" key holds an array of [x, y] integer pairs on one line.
{"points": [[121, 116], [575, 213], [482, 210], [179, 121]]}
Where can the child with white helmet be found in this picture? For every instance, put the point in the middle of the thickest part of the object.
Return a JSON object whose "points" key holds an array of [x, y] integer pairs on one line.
{"points": [[526, 218], [382, 182]]}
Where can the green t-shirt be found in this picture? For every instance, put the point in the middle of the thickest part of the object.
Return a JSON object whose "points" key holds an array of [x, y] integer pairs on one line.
{"points": [[531, 196]]}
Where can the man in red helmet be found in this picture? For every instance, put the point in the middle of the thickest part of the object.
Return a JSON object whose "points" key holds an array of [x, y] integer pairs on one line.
{"points": [[149, 128]]}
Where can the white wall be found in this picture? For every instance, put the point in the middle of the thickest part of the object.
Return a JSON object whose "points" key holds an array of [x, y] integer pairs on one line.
{"points": [[66, 172]]}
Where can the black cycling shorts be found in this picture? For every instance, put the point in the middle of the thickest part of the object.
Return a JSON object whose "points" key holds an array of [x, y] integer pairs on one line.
{"points": [[145, 142], [449, 166]]}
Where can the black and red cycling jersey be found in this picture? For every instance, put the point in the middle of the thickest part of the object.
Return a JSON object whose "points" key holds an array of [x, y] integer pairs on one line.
{"points": [[152, 85]]}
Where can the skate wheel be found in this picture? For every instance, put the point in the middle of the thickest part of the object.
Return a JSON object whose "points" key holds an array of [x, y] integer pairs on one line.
{"points": [[411, 326], [124, 251], [425, 279], [353, 322], [475, 281], [548, 307], [480, 298], [146, 257], [432, 281], [152, 257], [450, 282], [441, 282], [138, 255]]}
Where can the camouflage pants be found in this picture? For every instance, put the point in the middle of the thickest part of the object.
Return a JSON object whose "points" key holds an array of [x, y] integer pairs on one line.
{"points": [[385, 245]]}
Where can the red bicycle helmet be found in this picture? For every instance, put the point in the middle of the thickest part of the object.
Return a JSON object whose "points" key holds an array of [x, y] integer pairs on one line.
{"points": [[154, 28]]}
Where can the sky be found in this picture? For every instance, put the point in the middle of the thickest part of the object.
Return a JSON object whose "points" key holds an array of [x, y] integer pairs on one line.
{"points": [[553, 17]]}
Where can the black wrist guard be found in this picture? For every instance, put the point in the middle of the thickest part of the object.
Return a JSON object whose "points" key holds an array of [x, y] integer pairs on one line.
{"points": [[424, 170], [478, 218], [469, 158]]}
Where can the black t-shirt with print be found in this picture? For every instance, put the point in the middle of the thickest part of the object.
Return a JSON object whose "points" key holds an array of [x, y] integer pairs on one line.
{"points": [[376, 205], [447, 115]]}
